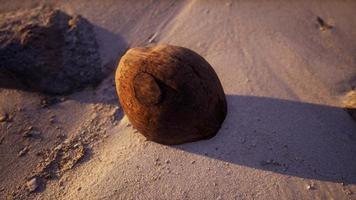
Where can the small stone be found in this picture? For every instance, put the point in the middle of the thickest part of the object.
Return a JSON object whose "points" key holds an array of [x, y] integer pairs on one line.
{"points": [[152, 39], [52, 119], [32, 184], [23, 151], [192, 162], [323, 26], [4, 117], [8, 126], [168, 161], [310, 187], [349, 192], [31, 133], [79, 188]]}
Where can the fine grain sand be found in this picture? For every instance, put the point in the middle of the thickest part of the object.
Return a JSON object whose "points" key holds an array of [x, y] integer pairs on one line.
{"points": [[285, 67]]}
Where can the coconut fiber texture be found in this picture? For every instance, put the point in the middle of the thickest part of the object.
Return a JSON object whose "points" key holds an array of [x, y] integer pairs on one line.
{"points": [[170, 94]]}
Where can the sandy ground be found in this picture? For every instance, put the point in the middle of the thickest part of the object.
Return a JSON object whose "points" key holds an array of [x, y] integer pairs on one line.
{"points": [[284, 72]]}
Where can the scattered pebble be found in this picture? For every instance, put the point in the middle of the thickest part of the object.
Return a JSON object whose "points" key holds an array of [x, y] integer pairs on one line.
{"points": [[52, 119], [310, 187], [23, 151], [323, 26], [152, 38], [49, 101], [32, 184], [348, 192], [193, 161], [157, 163], [30, 132], [4, 117]]}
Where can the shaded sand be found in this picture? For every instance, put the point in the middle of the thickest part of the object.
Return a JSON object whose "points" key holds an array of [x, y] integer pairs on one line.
{"points": [[285, 68]]}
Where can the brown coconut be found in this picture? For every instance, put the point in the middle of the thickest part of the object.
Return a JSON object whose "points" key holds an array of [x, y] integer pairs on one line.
{"points": [[170, 94]]}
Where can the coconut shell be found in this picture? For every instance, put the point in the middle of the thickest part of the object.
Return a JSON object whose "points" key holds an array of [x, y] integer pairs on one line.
{"points": [[170, 94]]}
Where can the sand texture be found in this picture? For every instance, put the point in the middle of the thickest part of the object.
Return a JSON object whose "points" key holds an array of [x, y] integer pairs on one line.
{"points": [[286, 68]]}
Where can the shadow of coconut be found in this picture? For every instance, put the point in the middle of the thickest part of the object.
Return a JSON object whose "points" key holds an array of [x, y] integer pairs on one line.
{"points": [[293, 138]]}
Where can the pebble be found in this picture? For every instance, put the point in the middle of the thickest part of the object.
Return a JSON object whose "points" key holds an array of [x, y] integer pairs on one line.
{"points": [[152, 39], [51, 120], [4, 117], [32, 184], [23, 151], [310, 187], [2, 139], [349, 192], [30, 132]]}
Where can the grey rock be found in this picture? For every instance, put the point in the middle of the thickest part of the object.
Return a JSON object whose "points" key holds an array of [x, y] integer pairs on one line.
{"points": [[49, 51]]}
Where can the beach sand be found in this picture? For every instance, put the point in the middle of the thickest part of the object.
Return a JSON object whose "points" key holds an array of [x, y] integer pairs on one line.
{"points": [[285, 67]]}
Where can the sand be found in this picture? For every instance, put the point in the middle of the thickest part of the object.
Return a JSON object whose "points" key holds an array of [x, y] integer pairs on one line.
{"points": [[285, 73]]}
